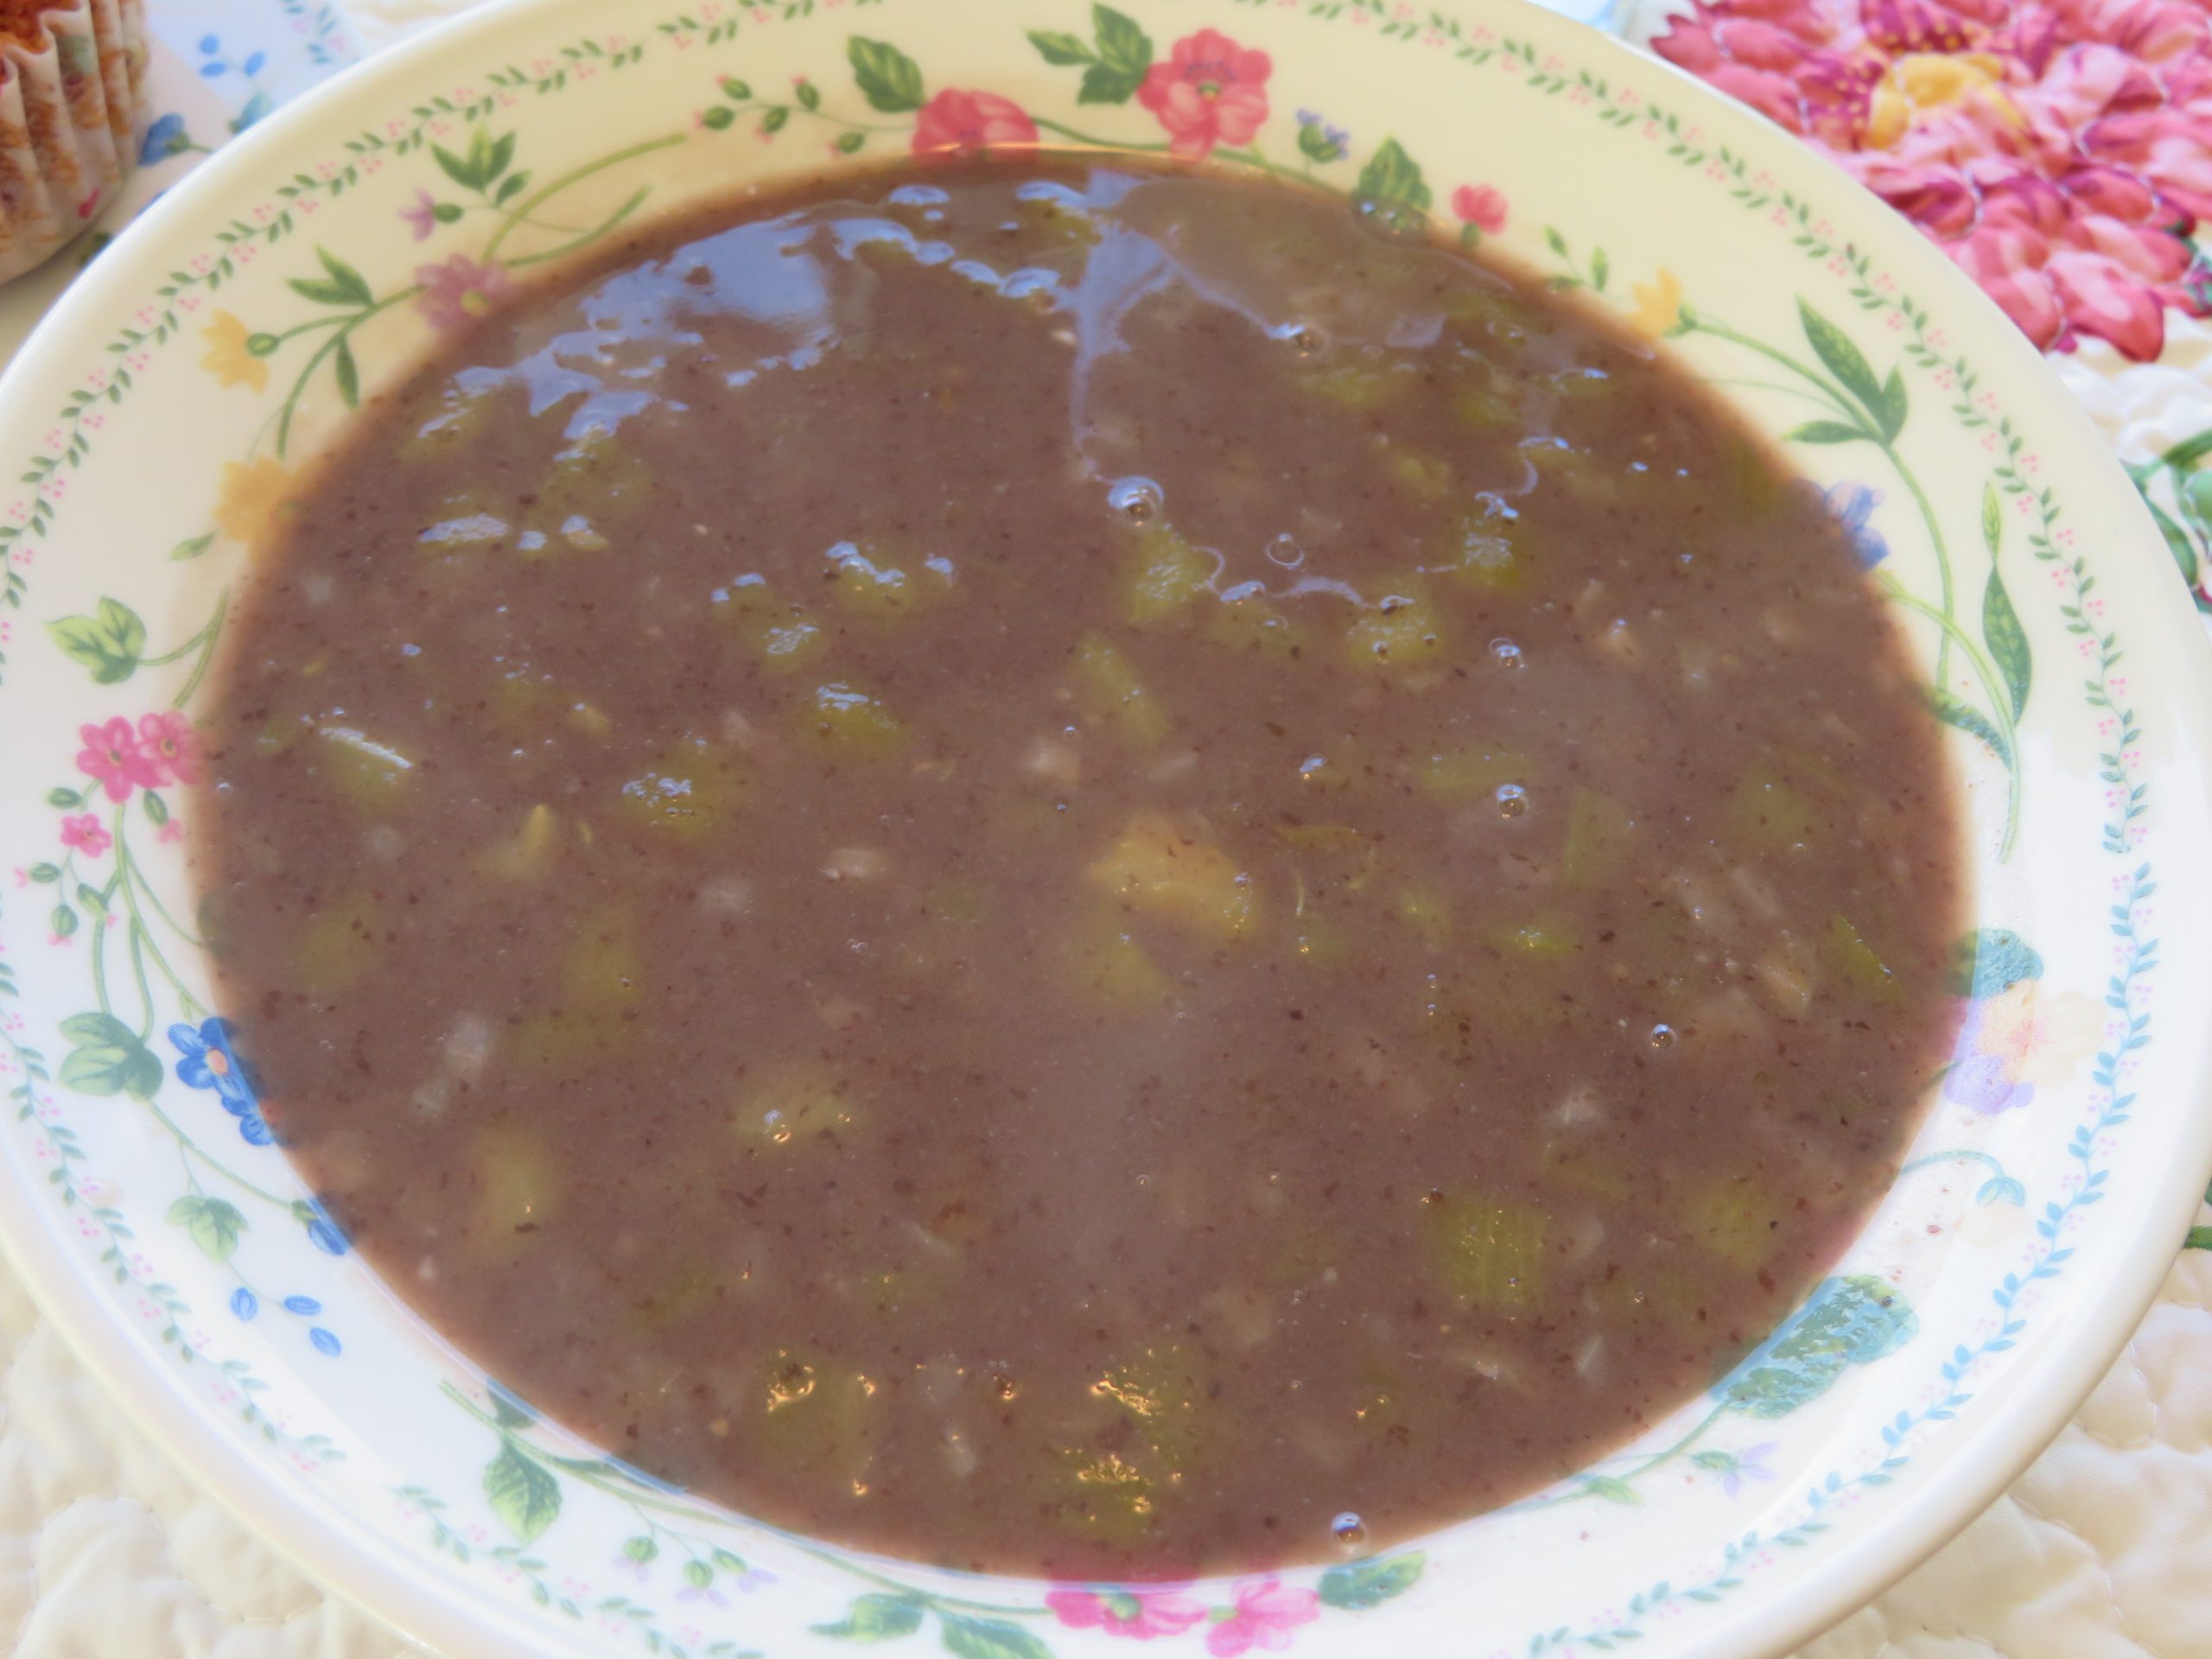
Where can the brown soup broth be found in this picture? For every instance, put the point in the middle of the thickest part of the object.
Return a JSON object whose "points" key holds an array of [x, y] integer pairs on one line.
{"points": [[1070, 867]]}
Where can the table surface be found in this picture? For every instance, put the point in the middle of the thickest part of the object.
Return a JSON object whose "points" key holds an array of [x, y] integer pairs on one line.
{"points": [[2102, 1550]]}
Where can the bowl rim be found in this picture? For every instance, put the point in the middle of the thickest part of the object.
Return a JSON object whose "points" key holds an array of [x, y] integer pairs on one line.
{"points": [[380, 1577]]}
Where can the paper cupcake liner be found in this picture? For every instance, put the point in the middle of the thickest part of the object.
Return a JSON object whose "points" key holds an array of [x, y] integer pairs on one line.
{"points": [[69, 107]]}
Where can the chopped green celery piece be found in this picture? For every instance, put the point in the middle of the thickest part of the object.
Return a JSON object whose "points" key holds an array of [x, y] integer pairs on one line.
{"points": [[1482, 406], [1157, 869], [1359, 382], [851, 723], [338, 946], [600, 972], [1100, 1495], [1467, 774], [818, 1414], [529, 854], [1735, 1219], [866, 581], [1493, 550], [1571, 1164], [1109, 693], [1424, 477], [1316, 940], [1489, 1253], [1537, 941], [1754, 482], [1161, 575], [596, 475], [1254, 622], [1492, 312], [371, 773], [1771, 812], [789, 1103], [1108, 962], [1560, 462], [1159, 1391], [1858, 964], [782, 636], [1423, 910], [689, 790], [1599, 832], [462, 417], [518, 1188], [1404, 631]]}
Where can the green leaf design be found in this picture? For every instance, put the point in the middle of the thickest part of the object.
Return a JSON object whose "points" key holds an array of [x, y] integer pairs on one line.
{"points": [[809, 96], [1601, 269], [1993, 520], [1954, 710], [107, 1058], [888, 79], [773, 120], [109, 642], [733, 87], [990, 1638], [1612, 1488], [462, 173], [1124, 55], [1828, 432], [63, 922], [193, 548], [347, 373], [1844, 361], [698, 1574], [1058, 49], [876, 1619], [1370, 1584], [510, 187], [156, 808], [849, 142], [522, 1494], [1890, 410], [502, 156], [641, 1549], [2007, 641], [1390, 186], [349, 284], [68, 800], [1990, 960], [1850, 1321], [43, 872], [214, 1225]]}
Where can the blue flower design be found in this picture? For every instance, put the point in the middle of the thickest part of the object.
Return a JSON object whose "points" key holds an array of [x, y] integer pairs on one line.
{"points": [[165, 138], [1851, 505], [208, 1060], [322, 1231]]}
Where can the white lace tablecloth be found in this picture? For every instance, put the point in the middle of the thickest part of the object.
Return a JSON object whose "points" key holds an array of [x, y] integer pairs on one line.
{"points": [[2103, 1550]]}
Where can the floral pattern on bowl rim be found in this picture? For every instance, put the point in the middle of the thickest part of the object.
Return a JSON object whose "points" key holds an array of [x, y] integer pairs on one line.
{"points": [[1845, 1408]]}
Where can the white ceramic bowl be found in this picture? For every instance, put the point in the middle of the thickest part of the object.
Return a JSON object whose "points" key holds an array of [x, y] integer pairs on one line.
{"points": [[159, 414]]}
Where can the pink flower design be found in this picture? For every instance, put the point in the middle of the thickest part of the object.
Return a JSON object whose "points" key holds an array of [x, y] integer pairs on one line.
{"points": [[1209, 90], [1481, 205], [1142, 1613], [422, 215], [169, 747], [1267, 1612], [459, 291], [960, 124], [85, 834], [2059, 151], [113, 755], [171, 830]]}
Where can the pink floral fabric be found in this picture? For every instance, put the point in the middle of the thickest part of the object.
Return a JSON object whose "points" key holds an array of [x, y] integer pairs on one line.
{"points": [[2059, 151]]}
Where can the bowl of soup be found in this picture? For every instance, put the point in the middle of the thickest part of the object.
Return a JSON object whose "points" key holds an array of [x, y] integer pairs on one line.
{"points": [[1258, 826]]}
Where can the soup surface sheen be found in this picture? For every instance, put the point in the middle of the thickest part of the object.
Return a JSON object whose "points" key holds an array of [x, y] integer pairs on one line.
{"points": [[1073, 868]]}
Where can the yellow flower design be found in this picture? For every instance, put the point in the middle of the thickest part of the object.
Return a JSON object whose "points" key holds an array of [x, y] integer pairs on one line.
{"points": [[1658, 305], [1929, 81], [254, 492], [2023, 1039], [227, 358]]}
